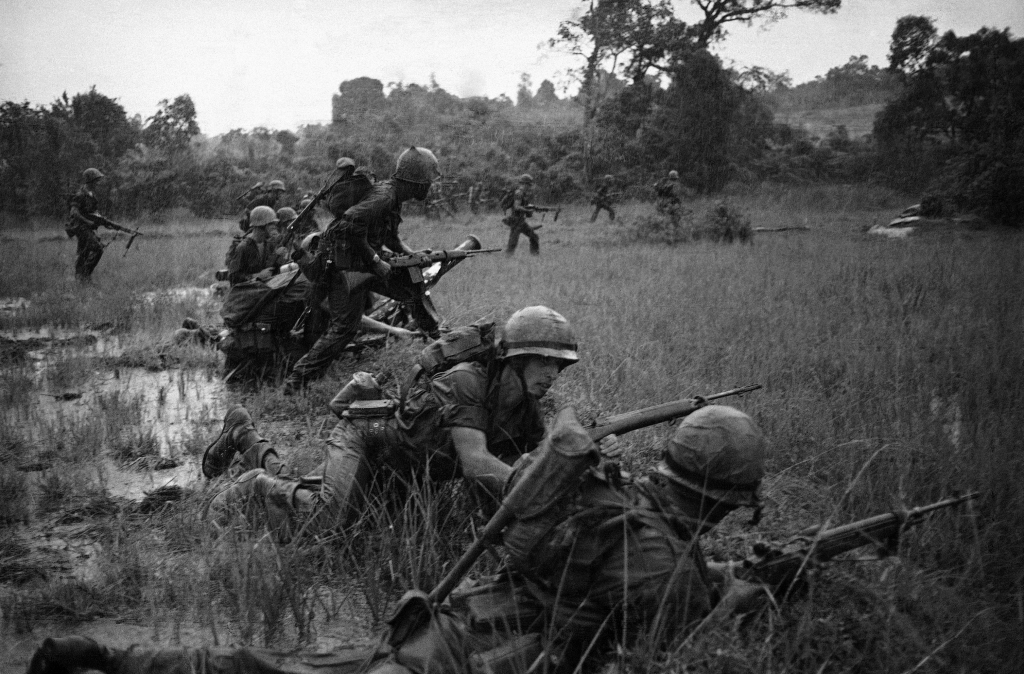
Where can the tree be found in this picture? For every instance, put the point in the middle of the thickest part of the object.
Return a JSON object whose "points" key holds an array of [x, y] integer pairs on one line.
{"points": [[524, 94], [103, 120], [357, 97], [545, 95], [719, 13], [911, 43], [173, 125]]}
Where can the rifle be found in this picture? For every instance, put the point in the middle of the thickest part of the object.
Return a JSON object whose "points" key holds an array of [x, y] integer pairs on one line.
{"points": [[249, 191], [102, 221], [517, 498], [289, 231], [415, 262], [782, 569], [557, 210]]}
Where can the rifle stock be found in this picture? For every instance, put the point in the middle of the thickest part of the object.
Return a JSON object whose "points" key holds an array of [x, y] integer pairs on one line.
{"points": [[781, 569]]}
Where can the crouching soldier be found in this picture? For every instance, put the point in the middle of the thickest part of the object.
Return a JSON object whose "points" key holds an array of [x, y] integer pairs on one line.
{"points": [[604, 557], [473, 421]]}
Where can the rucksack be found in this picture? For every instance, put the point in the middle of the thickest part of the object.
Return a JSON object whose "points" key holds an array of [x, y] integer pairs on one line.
{"points": [[474, 343], [347, 193], [508, 199]]}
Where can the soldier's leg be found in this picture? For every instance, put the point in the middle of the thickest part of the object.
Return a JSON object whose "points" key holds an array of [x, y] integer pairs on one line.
{"points": [[513, 237], [611, 213], [534, 239], [400, 287], [345, 303], [94, 251], [597, 211], [240, 445]]}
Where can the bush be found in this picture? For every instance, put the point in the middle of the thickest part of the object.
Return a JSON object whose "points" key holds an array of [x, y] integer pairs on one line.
{"points": [[726, 224]]}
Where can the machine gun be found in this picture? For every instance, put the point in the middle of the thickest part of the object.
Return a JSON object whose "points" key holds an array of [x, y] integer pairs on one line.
{"points": [[783, 569]]}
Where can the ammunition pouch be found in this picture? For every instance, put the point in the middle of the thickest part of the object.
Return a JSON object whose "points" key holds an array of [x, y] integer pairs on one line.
{"points": [[252, 338], [371, 419]]}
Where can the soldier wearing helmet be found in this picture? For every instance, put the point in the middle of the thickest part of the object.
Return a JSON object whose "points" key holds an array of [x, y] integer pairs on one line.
{"points": [[627, 552], [522, 208], [472, 420], [603, 198], [669, 193], [254, 256], [83, 221], [269, 197], [361, 240], [604, 565]]}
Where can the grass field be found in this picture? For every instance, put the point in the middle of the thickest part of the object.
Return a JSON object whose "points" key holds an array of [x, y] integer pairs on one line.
{"points": [[891, 372]]}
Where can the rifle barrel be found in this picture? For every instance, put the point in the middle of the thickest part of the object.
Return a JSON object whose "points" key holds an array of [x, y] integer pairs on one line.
{"points": [[631, 421]]}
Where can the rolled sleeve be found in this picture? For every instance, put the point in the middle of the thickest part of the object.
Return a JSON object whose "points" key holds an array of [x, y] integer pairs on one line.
{"points": [[463, 397]]}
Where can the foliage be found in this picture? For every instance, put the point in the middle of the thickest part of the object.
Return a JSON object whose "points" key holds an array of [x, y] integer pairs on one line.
{"points": [[960, 119], [173, 125], [852, 84]]}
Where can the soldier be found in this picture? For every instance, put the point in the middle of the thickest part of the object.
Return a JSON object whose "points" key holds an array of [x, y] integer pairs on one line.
{"points": [[472, 420], [254, 255], [668, 193], [522, 208], [355, 245], [476, 197], [603, 199], [83, 223], [268, 198], [606, 564]]}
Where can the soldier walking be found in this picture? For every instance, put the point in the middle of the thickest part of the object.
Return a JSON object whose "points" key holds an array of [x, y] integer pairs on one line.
{"points": [[603, 199], [522, 208]]}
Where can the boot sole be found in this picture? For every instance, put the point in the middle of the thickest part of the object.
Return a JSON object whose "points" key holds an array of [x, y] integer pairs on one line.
{"points": [[225, 429]]}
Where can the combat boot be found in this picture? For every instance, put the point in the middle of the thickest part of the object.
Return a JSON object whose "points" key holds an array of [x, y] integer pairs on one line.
{"points": [[218, 455]]}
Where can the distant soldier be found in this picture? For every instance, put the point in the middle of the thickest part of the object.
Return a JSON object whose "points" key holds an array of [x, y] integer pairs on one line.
{"points": [[668, 193], [476, 197], [522, 208], [83, 221], [269, 198], [254, 254], [603, 199]]}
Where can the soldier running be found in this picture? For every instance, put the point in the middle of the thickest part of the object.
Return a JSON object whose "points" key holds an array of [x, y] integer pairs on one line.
{"points": [[355, 244], [522, 208]]}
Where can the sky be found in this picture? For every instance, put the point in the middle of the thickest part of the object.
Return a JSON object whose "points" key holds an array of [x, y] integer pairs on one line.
{"points": [[276, 63]]}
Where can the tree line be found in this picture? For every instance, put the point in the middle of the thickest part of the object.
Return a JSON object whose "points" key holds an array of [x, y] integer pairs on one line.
{"points": [[652, 97]]}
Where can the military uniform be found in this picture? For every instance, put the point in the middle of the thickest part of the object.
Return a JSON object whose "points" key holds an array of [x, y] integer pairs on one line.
{"points": [[357, 237], [668, 193], [602, 200], [269, 198], [249, 258], [516, 221], [413, 443], [83, 225]]}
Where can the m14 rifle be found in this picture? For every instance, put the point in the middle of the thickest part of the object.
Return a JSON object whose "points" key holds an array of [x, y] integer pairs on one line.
{"points": [[557, 210], [783, 569], [101, 221]]}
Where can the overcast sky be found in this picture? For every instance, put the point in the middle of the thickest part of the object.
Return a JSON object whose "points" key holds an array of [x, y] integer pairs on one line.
{"points": [[276, 63]]}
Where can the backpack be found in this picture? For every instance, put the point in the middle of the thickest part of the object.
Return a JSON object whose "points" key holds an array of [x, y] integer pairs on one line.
{"points": [[663, 189], [474, 343], [508, 199], [347, 194]]}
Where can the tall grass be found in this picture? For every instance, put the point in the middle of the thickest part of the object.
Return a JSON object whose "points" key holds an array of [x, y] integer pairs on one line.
{"points": [[871, 354]]}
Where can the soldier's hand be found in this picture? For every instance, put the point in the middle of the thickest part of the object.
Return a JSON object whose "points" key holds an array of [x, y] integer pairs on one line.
{"points": [[381, 269], [610, 447]]}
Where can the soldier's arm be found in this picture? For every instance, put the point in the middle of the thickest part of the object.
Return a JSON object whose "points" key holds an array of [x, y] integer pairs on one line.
{"points": [[79, 214], [520, 204], [359, 218], [477, 463]]}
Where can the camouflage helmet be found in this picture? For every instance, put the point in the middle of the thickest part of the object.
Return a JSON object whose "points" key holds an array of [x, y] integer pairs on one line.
{"points": [[261, 216], [539, 331], [526, 178], [345, 163], [276, 185], [417, 165], [718, 452], [305, 202], [673, 174], [286, 214], [92, 174]]}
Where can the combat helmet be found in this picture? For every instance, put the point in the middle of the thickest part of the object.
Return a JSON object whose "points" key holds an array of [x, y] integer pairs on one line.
{"points": [[539, 331], [286, 214], [673, 174], [92, 174], [526, 178], [718, 452], [345, 163], [276, 185], [417, 165], [609, 178], [261, 216]]}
